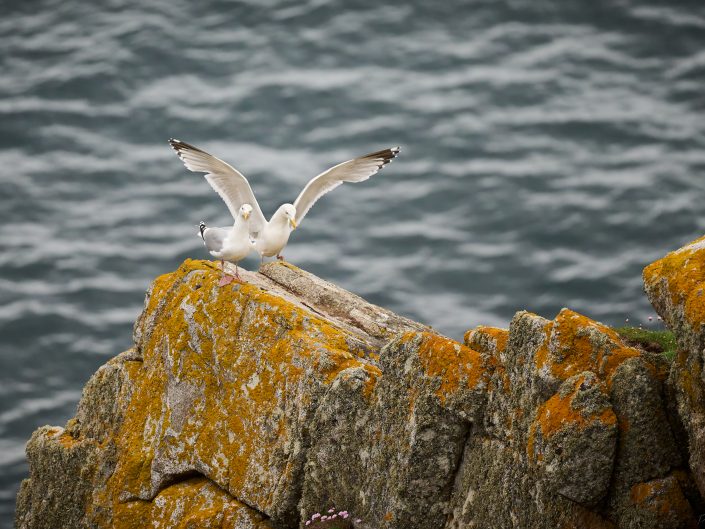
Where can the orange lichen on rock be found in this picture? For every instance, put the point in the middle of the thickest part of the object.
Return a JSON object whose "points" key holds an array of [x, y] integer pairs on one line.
{"points": [[246, 406], [454, 364], [683, 272], [67, 440], [575, 343], [491, 342], [541, 357], [482, 335], [559, 413], [662, 496], [374, 374], [220, 368], [195, 502]]}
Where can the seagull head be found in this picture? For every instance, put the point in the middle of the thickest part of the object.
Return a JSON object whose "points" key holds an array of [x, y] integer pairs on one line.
{"points": [[245, 211], [290, 213]]}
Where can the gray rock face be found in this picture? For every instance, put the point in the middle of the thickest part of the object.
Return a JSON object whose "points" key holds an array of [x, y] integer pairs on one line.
{"points": [[576, 461], [257, 405], [675, 285], [63, 470], [414, 427]]}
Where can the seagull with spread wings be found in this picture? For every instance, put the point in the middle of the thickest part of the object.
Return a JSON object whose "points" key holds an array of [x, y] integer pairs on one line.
{"points": [[272, 236]]}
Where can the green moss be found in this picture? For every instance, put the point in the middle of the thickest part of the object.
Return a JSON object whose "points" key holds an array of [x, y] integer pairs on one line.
{"points": [[663, 342]]}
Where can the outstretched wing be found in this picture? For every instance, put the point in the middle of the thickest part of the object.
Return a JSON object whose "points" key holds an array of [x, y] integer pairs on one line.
{"points": [[355, 170], [227, 181]]}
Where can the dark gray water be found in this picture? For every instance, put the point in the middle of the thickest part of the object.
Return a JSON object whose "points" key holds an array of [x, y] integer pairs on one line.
{"points": [[549, 151]]}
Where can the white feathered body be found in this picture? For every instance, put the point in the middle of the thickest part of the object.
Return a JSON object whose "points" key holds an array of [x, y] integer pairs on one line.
{"points": [[232, 244], [274, 236]]}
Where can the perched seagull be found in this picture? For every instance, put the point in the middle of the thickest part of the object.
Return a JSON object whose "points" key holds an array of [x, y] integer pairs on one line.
{"points": [[229, 244], [271, 237]]}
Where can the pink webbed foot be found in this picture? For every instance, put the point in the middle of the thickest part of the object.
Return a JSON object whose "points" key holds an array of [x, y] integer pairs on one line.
{"points": [[226, 279], [280, 257]]}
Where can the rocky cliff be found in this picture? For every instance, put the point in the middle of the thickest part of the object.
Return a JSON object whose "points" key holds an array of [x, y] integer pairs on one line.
{"points": [[259, 404], [675, 286]]}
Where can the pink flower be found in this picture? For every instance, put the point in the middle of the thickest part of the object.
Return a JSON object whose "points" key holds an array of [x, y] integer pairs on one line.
{"points": [[331, 509], [358, 520], [308, 522], [317, 515]]}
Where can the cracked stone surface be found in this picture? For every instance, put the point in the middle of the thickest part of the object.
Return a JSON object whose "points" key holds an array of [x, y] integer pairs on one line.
{"points": [[258, 404]]}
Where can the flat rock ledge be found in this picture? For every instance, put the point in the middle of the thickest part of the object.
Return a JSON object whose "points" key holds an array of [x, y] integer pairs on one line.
{"points": [[256, 405]]}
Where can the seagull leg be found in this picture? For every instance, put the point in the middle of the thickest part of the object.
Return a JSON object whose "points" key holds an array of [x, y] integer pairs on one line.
{"points": [[226, 278]]}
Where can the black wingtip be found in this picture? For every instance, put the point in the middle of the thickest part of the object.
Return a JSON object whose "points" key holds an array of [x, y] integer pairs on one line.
{"points": [[384, 156], [175, 144], [179, 146]]}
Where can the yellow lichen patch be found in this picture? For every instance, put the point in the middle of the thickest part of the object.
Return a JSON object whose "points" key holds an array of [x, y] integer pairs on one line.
{"points": [[662, 496], [375, 373], [454, 364], [67, 440], [542, 353], [196, 502], [223, 369], [481, 336], [492, 343], [684, 274], [558, 413], [575, 343], [54, 430]]}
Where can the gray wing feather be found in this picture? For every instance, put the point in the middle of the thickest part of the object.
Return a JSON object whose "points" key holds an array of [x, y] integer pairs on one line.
{"points": [[213, 238]]}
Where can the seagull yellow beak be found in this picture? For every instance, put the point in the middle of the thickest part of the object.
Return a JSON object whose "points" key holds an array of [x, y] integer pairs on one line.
{"points": [[246, 215], [293, 223]]}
